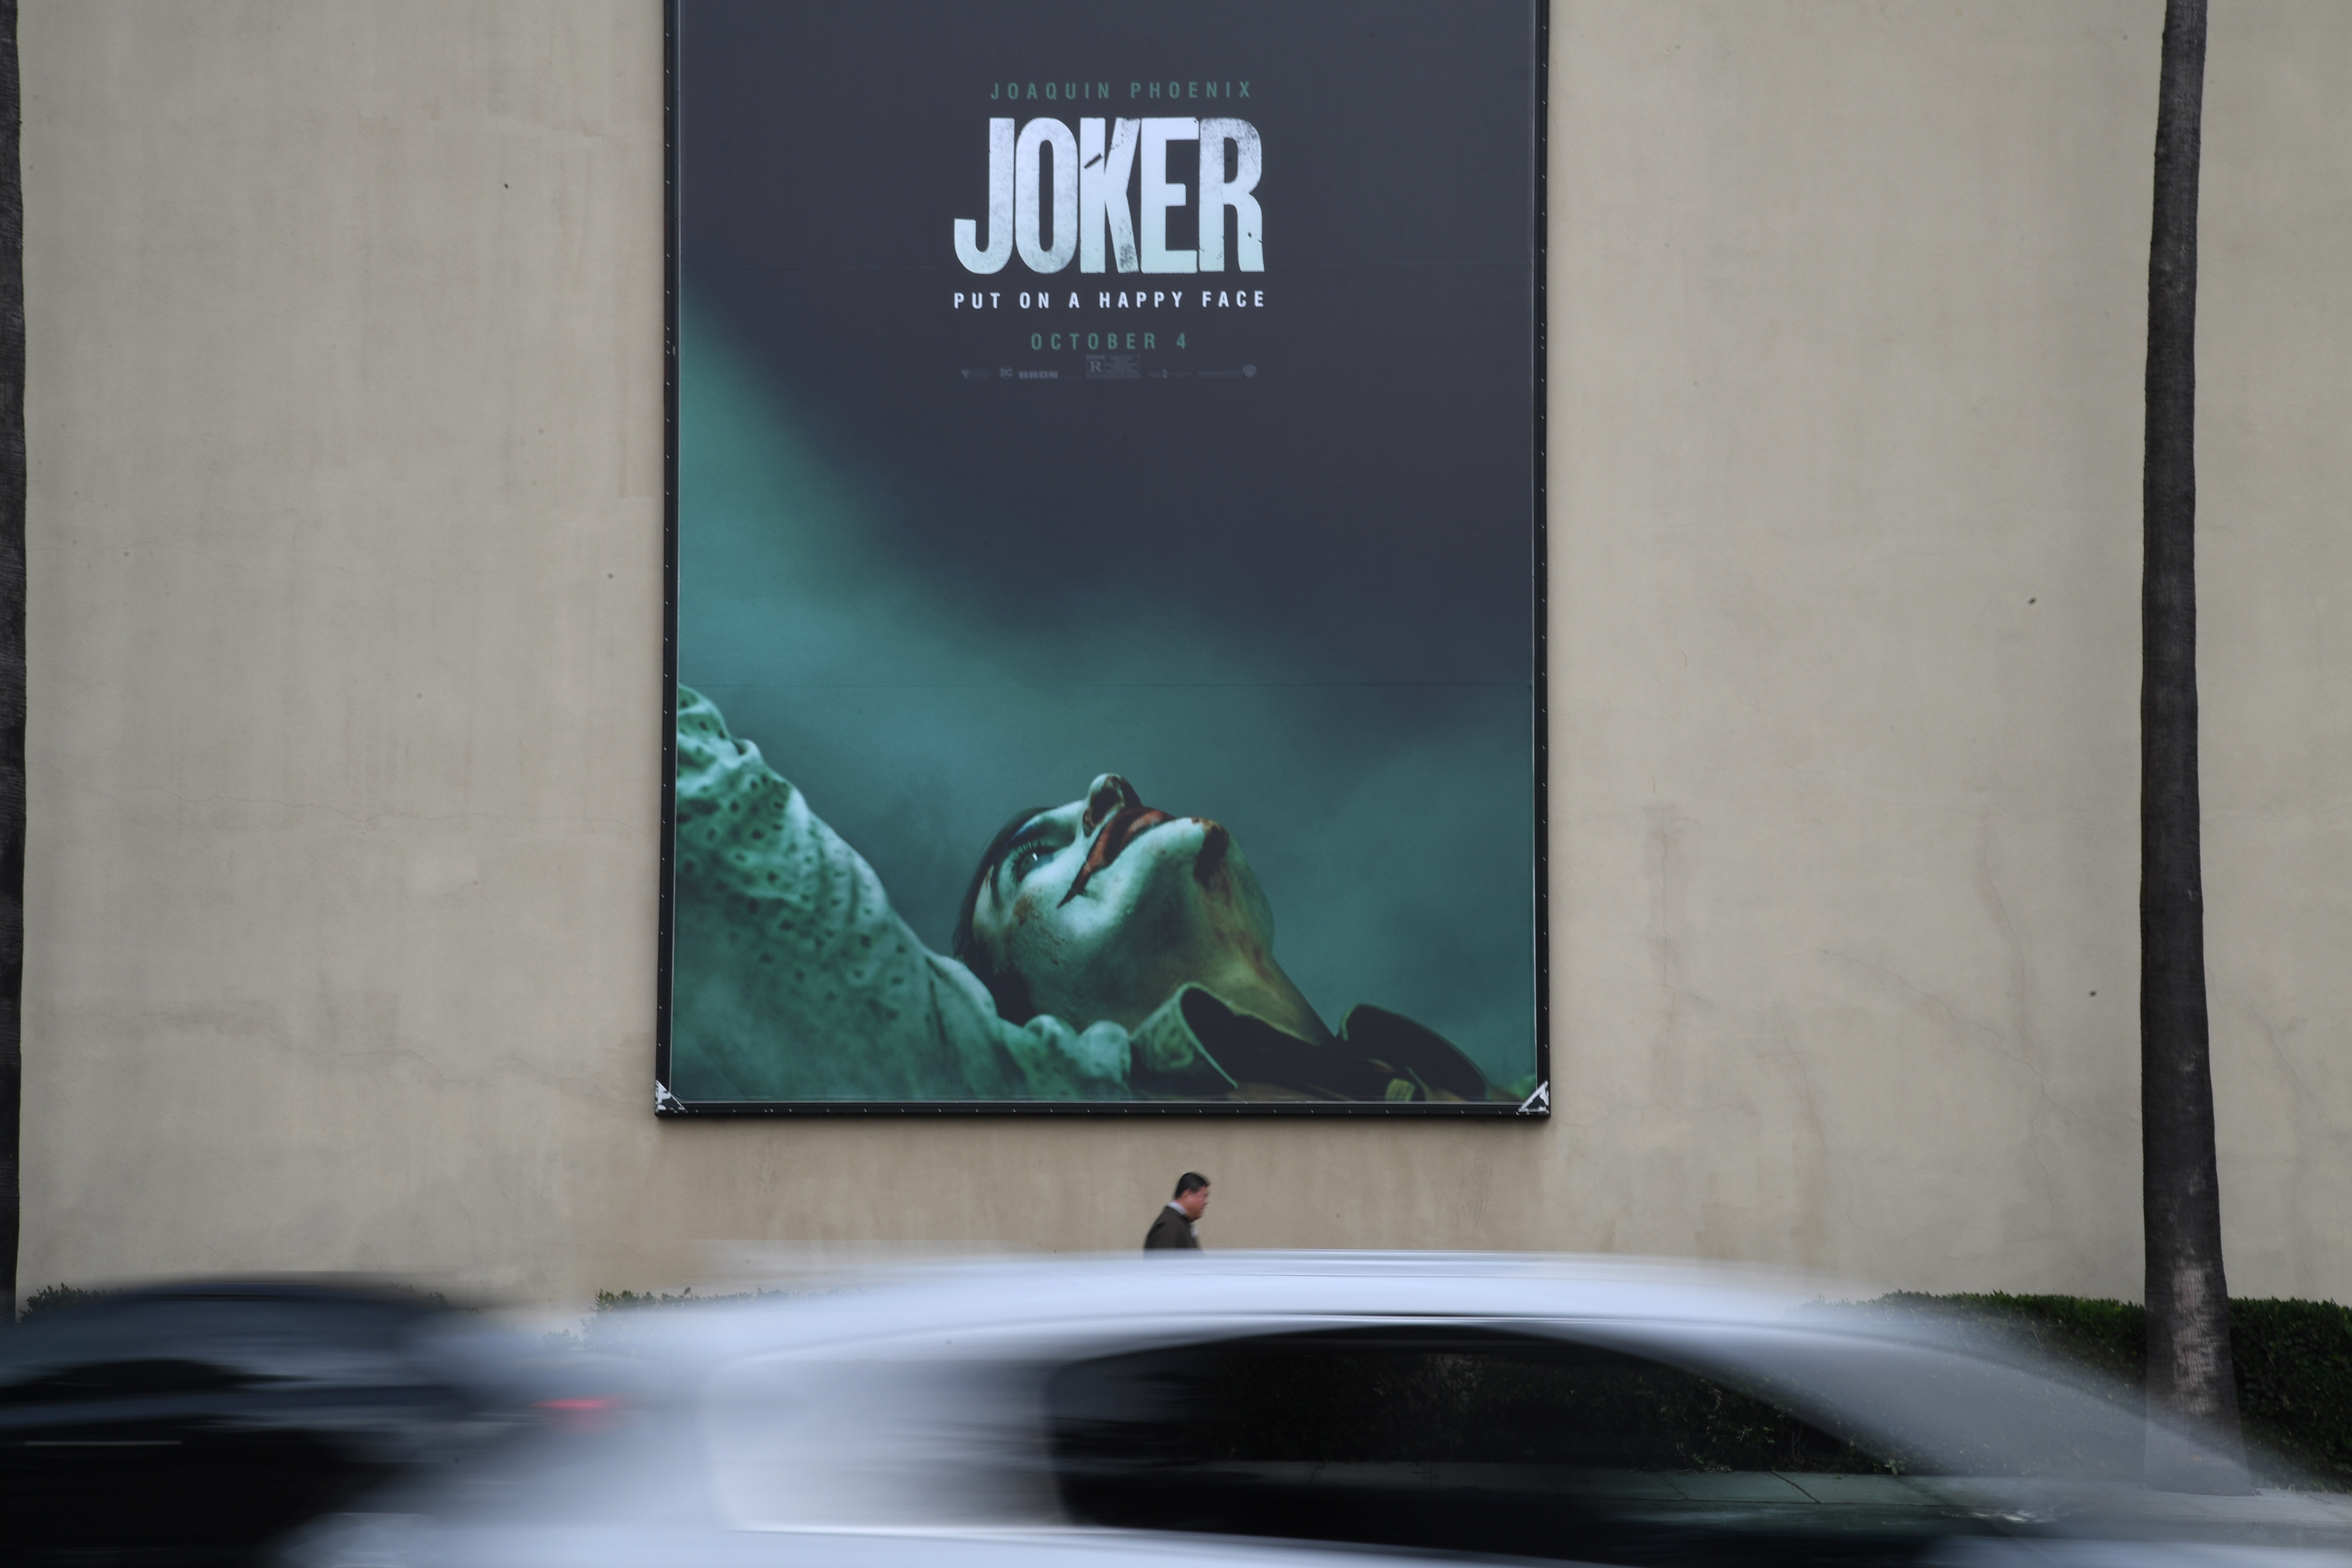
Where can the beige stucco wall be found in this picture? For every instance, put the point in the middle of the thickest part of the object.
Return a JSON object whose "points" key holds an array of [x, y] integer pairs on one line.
{"points": [[344, 419]]}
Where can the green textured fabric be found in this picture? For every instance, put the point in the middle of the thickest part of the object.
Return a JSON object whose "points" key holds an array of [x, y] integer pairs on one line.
{"points": [[793, 979]]}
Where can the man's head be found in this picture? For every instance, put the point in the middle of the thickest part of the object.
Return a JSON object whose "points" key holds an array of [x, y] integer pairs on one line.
{"points": [[1192, 1194], [1102, 908]]}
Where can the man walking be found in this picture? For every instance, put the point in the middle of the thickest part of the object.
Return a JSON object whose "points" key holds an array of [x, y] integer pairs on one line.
{"points": [[1172, 1231]]}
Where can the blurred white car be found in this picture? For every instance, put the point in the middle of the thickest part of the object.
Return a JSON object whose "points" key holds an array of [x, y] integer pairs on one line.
{"points": [[1250, 1409]]}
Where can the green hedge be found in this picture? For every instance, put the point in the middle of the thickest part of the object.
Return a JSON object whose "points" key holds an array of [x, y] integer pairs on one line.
{"points": [[51, 1298], [2294, 1361]]}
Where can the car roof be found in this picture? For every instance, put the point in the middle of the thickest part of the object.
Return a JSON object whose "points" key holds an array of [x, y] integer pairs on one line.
{"points": [[1156, 1294]]}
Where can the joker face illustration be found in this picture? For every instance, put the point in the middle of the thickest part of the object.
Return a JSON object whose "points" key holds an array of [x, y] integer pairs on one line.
{"points": [[1103, 907]]}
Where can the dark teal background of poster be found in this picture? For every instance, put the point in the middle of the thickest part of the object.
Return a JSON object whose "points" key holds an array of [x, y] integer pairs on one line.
{"points": [[1300, 600]]}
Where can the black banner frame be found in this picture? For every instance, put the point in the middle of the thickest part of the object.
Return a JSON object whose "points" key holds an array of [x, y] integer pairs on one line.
{"points": [[1536, 1108]]}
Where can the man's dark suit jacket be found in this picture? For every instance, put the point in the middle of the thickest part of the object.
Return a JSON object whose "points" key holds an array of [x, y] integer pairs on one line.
{"points": [[1172, 1232]]}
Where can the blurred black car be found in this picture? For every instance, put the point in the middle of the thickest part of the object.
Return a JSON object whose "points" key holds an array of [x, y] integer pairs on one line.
{"points": [[197, 1423]]}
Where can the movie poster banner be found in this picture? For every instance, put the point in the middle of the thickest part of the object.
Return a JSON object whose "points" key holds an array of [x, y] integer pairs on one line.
{"points": [[1105, 558]]}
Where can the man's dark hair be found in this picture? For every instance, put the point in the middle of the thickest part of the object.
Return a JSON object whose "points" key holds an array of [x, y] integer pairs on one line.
{"points": [[1011, 992], [1190, 1181]]}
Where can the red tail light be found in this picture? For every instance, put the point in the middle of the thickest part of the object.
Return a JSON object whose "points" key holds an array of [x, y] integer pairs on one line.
{"points": [[599, 1414]]}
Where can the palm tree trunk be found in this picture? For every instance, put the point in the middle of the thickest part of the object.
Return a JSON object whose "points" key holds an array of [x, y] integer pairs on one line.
{"points": [[12, 657], [2190, 1380]]}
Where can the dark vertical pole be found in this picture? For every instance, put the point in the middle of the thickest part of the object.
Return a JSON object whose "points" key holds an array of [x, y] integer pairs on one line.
{"points": [[12, 655], [2189, 1369]]}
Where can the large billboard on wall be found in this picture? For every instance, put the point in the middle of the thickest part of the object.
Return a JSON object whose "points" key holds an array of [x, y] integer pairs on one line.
{"points": [[1106, 558]]}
